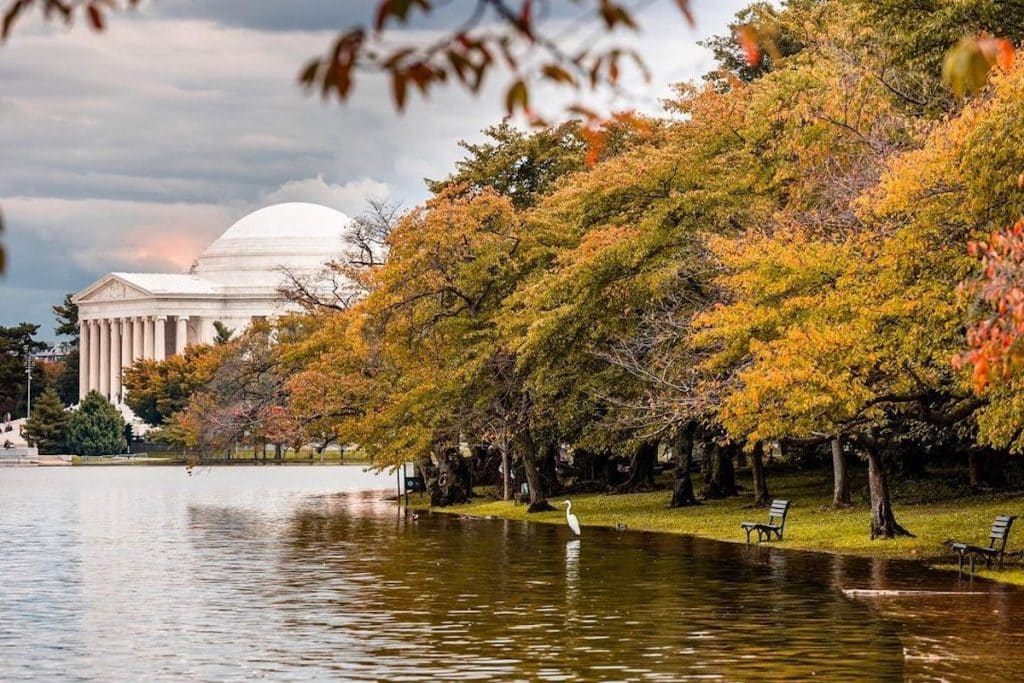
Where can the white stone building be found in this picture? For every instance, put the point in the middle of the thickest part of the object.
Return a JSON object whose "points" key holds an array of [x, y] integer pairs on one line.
{"points": [[127, 316]]}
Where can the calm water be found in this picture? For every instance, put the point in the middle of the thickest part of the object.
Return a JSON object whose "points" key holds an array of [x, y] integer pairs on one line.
{"points": [[292, 574]]}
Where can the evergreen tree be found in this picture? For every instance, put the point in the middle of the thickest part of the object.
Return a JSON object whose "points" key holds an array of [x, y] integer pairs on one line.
{"points": [[67, 318], [47, 428], [224, 333], [96, 427], [67, 326], [15, 342]]}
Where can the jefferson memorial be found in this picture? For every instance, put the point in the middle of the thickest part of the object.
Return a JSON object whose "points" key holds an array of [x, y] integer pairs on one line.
{"points": [[127, 316]]}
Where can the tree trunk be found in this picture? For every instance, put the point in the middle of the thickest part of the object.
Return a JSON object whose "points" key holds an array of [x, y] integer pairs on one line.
{"points": [[641, 469], [761, 496], [883, 521], [974, 468], [841, 486], [453, 485], [549, 470], [985, 467], [531, 467], [719, 473], [278, 453], [682, 487]]}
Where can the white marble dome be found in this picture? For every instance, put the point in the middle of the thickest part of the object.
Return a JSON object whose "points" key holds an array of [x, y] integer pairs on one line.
{"points": [[298, 236]]}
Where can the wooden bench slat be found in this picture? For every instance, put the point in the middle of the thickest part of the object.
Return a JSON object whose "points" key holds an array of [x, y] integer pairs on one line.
{"points": [[997, 540], [777, 512]]}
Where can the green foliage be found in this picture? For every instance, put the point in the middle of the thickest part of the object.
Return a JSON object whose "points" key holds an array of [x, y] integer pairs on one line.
{"points": [[223, 333], [96, 428], [732, 58], [521, 166], [16, 342], [67, 318], [47, 428]]}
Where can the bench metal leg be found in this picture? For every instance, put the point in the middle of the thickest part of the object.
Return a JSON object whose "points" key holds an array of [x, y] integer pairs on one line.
{"points": [[748, 530], [960, 563]]}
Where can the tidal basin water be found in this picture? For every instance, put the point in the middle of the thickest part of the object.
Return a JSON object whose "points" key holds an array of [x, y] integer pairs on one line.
{"points": [[299, 573]]}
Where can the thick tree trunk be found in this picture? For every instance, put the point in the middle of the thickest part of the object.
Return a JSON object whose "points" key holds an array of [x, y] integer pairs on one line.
{"points": [[549, 470], [641, 469], [974, 468], [883, 521], [761, 496], [531, 466], [841, 482], [454, 482], [719, 473], [278, 453], [682, 487]]}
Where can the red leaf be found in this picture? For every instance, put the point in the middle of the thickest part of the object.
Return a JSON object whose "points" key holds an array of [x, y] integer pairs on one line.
{"points": [[95, 17], [747, 38]]}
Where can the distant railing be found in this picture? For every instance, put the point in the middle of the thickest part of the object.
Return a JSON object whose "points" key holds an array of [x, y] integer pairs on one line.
{"points": [[23, 454]]}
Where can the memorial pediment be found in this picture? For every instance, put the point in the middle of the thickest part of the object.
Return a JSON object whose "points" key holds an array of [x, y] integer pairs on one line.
{"points": [[112, 289]]}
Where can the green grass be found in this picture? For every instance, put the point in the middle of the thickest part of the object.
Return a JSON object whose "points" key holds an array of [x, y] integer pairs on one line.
{"points": [[934, 509]]}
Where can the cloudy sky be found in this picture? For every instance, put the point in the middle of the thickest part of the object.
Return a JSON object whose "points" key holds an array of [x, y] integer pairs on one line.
{"points": [[133, 149]]}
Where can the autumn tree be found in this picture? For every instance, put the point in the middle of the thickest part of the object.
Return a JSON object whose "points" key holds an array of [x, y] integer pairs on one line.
{"points": [[156, 390]]}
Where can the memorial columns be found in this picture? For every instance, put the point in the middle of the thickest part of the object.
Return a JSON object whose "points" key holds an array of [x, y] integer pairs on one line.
{"points": [[115, 360], [104, 384], [160, 338], [181, 334], [83, 359]]}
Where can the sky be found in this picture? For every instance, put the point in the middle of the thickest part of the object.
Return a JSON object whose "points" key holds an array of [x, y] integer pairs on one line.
{"points": [[132, 149]]}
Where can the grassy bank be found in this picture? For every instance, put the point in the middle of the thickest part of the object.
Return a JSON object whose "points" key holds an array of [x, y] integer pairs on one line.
{"points": [[936, 509]]}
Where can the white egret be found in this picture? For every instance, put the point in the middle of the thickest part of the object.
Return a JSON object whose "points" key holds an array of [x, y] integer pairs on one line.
{"points": [[571, 519]]}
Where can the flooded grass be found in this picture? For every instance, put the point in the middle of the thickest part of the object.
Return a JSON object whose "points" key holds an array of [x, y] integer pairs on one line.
{"points": [[812, 524]]}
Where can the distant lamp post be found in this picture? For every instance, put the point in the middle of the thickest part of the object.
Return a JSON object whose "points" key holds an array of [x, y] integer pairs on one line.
{"points": [[28, 373]]}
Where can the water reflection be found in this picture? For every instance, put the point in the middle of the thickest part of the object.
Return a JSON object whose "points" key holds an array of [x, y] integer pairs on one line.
{"points": [[270, 574]]}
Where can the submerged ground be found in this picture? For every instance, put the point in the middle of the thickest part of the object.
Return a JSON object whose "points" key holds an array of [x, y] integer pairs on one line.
{"points": [[308, 573], [937, 509]]}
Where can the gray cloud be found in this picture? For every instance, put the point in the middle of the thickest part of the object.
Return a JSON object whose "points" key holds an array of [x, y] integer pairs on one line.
{"points": [[132, 149]]}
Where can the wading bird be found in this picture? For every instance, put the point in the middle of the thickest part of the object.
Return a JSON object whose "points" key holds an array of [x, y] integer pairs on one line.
{"points": [[571, 519]]}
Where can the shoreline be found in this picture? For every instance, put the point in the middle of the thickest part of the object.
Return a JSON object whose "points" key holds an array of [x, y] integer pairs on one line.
{"points": [[810, 527]]}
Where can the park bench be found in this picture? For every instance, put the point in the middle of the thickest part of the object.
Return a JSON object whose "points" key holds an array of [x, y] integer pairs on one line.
{"points": [[996, 548], [775, 525]]}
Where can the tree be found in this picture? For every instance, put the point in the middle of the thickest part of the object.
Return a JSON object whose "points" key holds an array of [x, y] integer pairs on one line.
{"points": [[17, 343], [67, 326], [96, 427], [47, 428], [521, 166], [156, 390], [223, 333], [755, 25], [244, 394], [67, 318]]}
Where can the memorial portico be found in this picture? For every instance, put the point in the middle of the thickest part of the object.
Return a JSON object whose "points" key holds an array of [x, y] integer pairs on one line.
{"points": [[127, 316]]}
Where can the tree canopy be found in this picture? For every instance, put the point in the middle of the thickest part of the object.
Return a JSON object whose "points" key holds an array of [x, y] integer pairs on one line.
{"points": [[96, 427]]}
